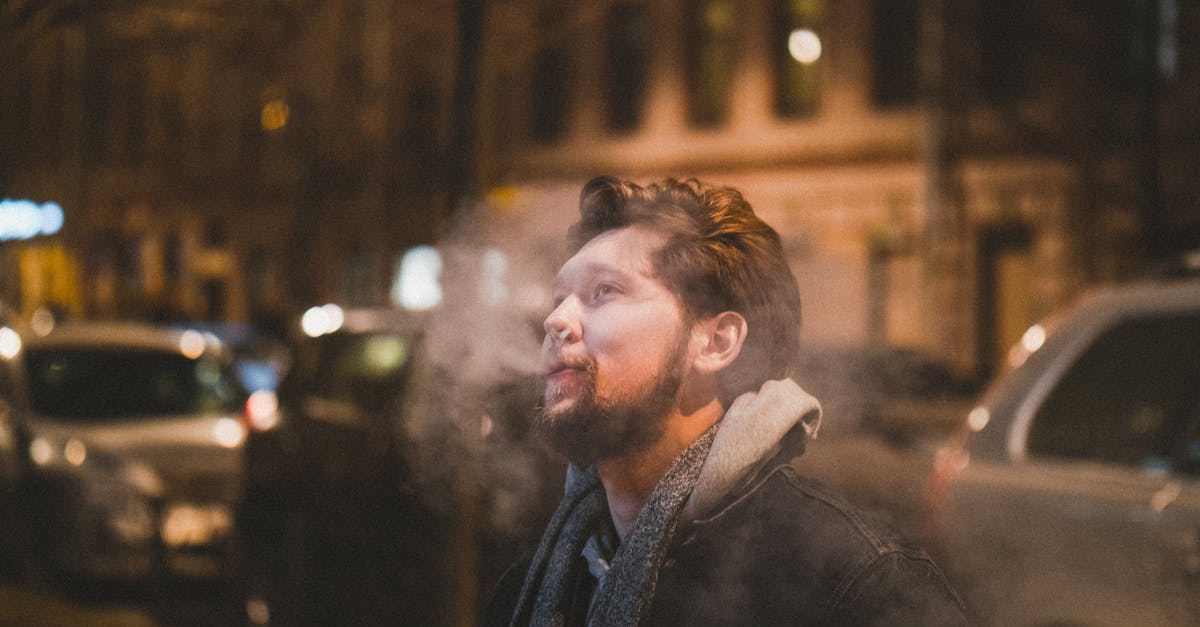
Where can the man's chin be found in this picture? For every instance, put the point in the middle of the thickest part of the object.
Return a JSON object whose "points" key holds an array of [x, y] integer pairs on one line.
{"points": [[556, 409], [587, 436], [568, 431]]}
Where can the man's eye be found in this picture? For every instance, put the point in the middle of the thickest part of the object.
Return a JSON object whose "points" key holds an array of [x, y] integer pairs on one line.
{"points": [[604, 289]]}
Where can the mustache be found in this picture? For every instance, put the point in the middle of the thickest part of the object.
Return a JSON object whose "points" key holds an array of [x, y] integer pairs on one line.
{"points": [[584, 363], [577, 361]]}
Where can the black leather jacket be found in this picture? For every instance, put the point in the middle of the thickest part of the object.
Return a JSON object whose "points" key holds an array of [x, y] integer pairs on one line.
{"points": [[789, 551], [785, 550]]}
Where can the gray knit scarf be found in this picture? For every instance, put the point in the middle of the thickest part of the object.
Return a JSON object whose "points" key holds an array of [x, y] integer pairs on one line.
{"points": [[628, 589]]}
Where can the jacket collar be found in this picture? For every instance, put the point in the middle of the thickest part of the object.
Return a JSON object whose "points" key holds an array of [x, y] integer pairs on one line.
{"points": [[759, 427]]}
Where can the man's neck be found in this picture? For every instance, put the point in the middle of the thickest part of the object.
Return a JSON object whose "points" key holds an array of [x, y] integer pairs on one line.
{"points": [[629, 480]]}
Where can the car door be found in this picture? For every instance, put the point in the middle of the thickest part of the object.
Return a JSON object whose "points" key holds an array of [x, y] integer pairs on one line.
{"points": [[1094, 520]]}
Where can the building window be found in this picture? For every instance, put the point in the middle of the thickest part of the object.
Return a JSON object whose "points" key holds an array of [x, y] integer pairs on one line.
{"points": [[98, 112], [420, 135], [136, 101], [356, 282], [798, 50], [710, 61], [551, 93], [262, 279], [131, 266], [1167, 53], [50, 111], [1137, 59], [1004, 32], [894, 43], [629, 57], [105, 261], [173, 124], [173, 257], [252, 139], [215, 235], [22, 120]]}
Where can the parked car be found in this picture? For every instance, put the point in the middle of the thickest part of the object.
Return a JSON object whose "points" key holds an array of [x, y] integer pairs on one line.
{"points": [[15, 551], [136, 442], [392, 486], [899, 394], [1072, 494]]}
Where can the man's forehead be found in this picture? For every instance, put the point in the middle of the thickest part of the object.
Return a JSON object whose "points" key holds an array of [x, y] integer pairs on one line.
{"points": [[627, 250]]}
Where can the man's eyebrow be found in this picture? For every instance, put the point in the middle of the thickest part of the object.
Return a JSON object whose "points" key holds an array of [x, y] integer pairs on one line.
{"points": [[593, 269]]}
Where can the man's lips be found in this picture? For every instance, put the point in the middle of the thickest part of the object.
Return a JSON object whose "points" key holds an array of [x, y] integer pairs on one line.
{"points": [[558, 368]]}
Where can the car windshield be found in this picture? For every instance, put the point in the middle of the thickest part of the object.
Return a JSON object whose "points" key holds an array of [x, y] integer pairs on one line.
{"points": [[120, 383]]}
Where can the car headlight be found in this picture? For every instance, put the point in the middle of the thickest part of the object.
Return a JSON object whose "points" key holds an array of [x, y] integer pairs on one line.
{"points": [[103, 475], [10, 343], [229, 432], [47, 452], [188, 524]]}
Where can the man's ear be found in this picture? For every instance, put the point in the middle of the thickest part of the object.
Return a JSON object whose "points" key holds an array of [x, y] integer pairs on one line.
{"points": [[720, 340]]}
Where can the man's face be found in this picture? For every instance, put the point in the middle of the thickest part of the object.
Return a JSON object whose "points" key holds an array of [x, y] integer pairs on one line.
{"points": [[615, 349]]}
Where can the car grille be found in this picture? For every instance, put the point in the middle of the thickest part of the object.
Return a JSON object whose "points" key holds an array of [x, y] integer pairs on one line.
{"points": [[202, 488]]}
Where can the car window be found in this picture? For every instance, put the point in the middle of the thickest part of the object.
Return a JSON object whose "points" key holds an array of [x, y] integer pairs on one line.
{"points": [[1128, 398], [365, 369], [99, 383]]}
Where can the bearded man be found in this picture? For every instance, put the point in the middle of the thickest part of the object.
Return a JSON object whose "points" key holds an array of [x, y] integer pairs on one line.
{"points": [[667, 357]]}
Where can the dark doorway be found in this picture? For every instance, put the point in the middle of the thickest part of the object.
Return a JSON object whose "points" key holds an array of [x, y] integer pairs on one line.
{"points": [[1005, 266]]}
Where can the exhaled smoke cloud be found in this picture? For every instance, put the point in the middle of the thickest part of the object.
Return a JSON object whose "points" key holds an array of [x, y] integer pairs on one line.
{"points": [[499, 263], [476, 387]]}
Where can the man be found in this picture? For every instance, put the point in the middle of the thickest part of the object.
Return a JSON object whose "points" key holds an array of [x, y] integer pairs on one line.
{"points": [[667, 355]]}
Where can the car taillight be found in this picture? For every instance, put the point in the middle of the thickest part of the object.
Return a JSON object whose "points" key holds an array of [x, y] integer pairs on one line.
{"points": [[951, 459], [262, 411]]}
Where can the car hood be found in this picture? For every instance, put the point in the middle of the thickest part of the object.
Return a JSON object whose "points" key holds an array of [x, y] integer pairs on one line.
{"points": [[194, 457]]}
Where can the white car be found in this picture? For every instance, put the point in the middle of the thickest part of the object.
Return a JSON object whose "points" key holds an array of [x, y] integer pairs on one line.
{"points": [[14, 411], [1073, 496], [136, 439]]}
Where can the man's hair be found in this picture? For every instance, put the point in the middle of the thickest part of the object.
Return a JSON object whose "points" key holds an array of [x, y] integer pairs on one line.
{"points": [[719, 256]]}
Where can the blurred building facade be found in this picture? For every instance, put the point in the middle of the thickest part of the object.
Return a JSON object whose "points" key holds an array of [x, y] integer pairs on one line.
{"points": [[220, 160], [942, 173]]}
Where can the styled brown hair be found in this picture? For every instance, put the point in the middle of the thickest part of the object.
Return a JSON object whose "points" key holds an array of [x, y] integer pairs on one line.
{"points": [[719, 256]]}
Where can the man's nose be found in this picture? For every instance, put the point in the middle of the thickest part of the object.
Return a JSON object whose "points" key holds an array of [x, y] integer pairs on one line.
{"points": [[562, 325]]}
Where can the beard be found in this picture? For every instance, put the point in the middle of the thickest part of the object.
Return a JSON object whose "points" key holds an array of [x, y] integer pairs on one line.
{"points": [[594, 429]]}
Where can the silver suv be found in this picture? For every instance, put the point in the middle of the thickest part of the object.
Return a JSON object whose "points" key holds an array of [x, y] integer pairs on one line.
{"points": [[1073, 493]]}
